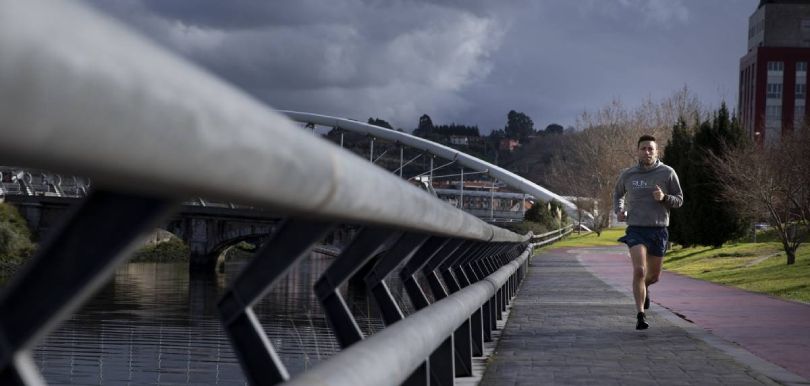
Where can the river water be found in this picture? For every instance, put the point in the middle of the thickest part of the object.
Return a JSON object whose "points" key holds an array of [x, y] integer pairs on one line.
{"points": [[155, 324]]}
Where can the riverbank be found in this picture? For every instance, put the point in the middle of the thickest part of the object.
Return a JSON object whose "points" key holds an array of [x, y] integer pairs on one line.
{"points": [[15, 239], [757, 267], [17, 245]]}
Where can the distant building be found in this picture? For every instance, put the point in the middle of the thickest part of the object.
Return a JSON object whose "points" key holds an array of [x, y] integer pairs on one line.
{"points": [[461, 140], [509, 144], [773, 74]]}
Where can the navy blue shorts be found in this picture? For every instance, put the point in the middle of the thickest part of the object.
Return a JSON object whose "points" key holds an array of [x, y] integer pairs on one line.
{"points": [[654, 238]]}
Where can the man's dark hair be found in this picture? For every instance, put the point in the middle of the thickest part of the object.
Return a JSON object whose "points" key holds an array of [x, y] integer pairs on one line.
{"points": [[645, 137]]}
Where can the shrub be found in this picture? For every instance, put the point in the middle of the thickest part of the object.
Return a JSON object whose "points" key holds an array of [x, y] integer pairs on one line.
{"points": [[15, 238], [171, 250]]}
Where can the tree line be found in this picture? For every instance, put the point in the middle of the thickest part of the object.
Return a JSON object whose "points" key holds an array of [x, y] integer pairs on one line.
{"points": [[707, 217], [734, 182], [519, 126], [729, 181]]}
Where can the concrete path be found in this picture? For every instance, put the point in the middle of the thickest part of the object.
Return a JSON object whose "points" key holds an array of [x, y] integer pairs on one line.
{"points": [[773, 329], [569, 327]]}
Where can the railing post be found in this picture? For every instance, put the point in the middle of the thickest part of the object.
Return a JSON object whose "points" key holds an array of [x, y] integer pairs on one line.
{"points": [[72, 263], [463, 335], [365, 245], [492, 201], [289, 244], [430, 179], [481, 317], [403, 250], [461, 338], [476, 320], [461, 189], [446, 267], [429, 270], [440, 362]]}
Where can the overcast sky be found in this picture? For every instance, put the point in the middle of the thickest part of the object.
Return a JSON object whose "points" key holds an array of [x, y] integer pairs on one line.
{"points": [[467, 62]]}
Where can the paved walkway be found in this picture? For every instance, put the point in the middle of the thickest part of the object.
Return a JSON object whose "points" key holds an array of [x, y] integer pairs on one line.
{"points": [[568, 327], [773, 329]]}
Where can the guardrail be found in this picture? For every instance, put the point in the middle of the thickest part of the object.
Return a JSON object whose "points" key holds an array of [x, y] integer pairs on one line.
{"points": [[550, 237], [17, 181], [150, 130]]}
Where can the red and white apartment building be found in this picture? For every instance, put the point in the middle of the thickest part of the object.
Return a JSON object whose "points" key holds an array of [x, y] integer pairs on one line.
{"points": [[773, 74]]}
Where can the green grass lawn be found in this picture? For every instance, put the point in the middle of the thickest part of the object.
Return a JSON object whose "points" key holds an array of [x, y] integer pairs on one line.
{"points": [[607, 238], [758, 267]]}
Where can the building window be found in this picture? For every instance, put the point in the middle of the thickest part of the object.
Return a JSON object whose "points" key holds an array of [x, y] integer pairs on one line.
{"points": [[773, 115], [801, 66], [776, 66], [801, 90], [774, 90]]}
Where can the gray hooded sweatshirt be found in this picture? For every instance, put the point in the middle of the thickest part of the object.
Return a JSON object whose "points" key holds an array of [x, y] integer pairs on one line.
{"points": [[634, 193]]}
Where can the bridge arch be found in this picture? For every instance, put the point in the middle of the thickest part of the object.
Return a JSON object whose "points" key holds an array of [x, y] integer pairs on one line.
{"points": [[217, 254], [207, 236], [512, 180]]}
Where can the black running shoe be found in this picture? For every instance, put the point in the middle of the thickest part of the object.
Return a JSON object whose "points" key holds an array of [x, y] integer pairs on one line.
{"points": [[647, 300], [641, 322]]}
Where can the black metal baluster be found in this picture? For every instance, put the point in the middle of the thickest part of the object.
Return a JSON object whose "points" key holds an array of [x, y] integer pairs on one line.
{"points": [[460, 340], [71, 265], [404, 249], [290, 243], [442, 371], [368, 243]]}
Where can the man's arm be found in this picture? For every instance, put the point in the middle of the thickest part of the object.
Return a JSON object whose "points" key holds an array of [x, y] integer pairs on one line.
{"points": [[674, 197]]}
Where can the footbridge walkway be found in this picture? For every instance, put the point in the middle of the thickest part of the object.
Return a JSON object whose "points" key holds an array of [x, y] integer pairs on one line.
{"points": [[573, 323], [151, 130]]}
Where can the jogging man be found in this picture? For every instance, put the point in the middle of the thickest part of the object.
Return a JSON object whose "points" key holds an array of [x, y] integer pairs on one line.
{"points": [[643, 196]]}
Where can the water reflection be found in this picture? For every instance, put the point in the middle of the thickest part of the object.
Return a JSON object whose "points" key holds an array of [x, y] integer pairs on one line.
{"points": [[154, 324]]}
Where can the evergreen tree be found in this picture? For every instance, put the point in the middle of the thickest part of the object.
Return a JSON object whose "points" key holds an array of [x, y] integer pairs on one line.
{"points": [[676, 155], [425, 126], [379, 122], [554, 128], [454, 129], [538, 213], [545, 213], [709, 219], [518, 125]]}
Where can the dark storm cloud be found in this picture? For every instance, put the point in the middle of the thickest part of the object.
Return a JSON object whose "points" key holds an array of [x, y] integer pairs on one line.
{"points": [[463, 61], [562, 58]]}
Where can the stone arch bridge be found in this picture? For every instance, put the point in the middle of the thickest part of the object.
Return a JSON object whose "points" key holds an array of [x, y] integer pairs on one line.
{"points": [[208, 229]]}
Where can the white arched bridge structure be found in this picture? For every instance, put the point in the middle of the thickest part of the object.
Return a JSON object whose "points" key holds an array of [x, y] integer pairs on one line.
{"points": [[82, 95], [514, 181]]}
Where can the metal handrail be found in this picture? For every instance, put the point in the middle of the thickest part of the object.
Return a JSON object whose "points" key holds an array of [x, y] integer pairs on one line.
{"points": [[379, 360], [543, 239], [151, 129], [139, 118]]}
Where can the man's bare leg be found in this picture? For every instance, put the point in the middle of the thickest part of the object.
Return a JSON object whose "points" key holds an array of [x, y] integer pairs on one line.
{"points": [[638, 254], [654, 264]]}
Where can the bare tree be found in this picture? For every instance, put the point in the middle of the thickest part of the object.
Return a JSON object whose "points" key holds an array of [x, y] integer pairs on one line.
{"points": [[589, 162], [773, 182], [592, 162]]}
